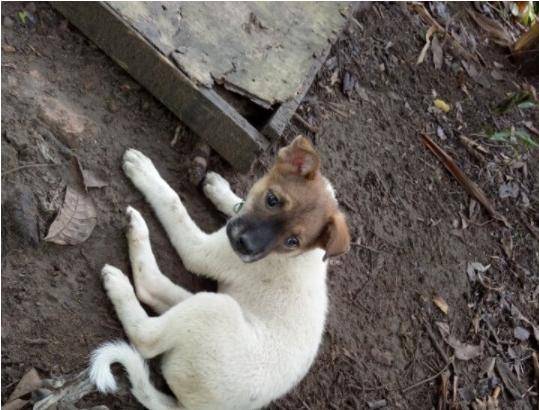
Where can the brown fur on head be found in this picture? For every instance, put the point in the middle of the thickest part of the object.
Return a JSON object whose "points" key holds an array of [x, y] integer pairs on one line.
{"points": [[290, 209]]}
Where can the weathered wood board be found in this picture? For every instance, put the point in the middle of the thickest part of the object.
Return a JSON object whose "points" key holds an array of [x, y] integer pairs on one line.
{"points": [[187, 53]]}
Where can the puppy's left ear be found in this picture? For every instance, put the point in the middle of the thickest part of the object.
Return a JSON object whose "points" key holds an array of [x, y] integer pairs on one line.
{"points": [[336, 238], [299, 158]]}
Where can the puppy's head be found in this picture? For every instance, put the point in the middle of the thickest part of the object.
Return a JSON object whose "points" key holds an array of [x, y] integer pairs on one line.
{"points": [[292, 209]]}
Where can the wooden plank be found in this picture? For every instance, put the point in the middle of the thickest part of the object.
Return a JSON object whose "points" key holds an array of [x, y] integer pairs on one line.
{"points": [[201, 109], [261, 50], [280, 119]]}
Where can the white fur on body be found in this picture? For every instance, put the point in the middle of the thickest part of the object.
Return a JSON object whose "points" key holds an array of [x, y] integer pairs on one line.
{"points": [[237, 349]]}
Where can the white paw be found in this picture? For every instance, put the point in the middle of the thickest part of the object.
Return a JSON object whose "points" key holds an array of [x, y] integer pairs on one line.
{"points": [[116, 283], [140, 169], [137, 229], [215, 187]]}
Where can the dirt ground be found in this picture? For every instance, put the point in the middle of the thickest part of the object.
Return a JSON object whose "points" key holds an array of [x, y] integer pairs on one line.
{"points": [[415, 229]]}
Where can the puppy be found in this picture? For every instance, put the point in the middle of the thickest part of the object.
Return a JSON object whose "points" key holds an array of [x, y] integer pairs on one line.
{"points": [[253, 341]]}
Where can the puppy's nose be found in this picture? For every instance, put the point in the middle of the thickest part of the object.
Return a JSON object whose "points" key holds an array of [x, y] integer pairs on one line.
{"points": [[246, 245]]}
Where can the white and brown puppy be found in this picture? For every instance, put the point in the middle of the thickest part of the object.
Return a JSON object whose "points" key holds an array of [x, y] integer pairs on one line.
{"points": [[254, 340]]}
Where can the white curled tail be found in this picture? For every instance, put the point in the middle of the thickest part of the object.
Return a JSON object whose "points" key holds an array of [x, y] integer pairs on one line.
{"points": [[137, 371]]}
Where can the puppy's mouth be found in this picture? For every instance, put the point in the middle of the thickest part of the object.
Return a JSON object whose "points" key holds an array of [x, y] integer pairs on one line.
{"points": [[249, 243]]}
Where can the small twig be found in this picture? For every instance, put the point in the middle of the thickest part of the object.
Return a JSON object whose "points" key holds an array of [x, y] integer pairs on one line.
{"points": [[471, 187], [428, 379], [303, 122], [368, 248], [176, 137], [435, 343], [535, 359], [72, 392], [11, 171], [529, 227]]}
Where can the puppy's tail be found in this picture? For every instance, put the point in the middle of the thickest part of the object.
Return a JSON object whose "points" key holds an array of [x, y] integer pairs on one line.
{"points": [[137, 371]]}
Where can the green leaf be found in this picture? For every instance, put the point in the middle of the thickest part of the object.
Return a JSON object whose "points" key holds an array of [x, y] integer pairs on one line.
{"points": [[526, 138], [526, 104], [500, 136], [515, 136], [23, 15]]}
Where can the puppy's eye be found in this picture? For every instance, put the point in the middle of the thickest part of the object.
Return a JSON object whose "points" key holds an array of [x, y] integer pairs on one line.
{"points": [[271, 200], [292, 242]]}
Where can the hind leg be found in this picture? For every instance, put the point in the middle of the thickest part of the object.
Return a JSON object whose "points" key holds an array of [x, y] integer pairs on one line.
{"points": [[152, 287]]}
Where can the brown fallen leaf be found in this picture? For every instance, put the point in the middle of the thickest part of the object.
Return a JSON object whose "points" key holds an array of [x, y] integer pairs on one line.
{"points": [[437, 53], [441, 304], [466, 182], [28, 383], [6, 48], [457, 47], [426, 47], [510, 381], [493, 28], [464, 351], [91, 180], [75, 221]]}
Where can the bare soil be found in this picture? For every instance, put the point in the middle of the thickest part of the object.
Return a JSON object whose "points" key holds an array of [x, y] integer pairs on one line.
{"points": [[414, 227]]}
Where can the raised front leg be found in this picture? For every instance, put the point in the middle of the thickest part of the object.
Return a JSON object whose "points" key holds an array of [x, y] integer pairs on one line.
{"points": [[201, 253], [217, 190], [152, 287]]}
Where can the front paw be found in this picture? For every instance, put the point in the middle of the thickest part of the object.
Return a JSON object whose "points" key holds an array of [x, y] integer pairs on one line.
{"points": [[116, 284], [137, 229], [215, 187], [140, 170]]}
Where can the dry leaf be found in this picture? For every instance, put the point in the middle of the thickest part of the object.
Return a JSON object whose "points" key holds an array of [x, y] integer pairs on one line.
{"points": [[75, 221], [28, 383], [511, 382], [521, 334], [441, 303], [466, 182], [507, 243], [497, 75], [443, 328], [437, 53], [15, 404], [464, 351], [426, 47], [91, 180], [442, 105], [494, 29], [334, 78], [473, 268], [519, 316]]}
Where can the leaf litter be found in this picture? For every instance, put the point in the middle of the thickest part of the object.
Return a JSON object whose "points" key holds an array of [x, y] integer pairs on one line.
{"points": [[77, 216]]}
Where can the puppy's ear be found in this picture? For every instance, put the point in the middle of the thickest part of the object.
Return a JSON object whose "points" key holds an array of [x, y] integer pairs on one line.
{"points": [[299, 158], [336, 238]]}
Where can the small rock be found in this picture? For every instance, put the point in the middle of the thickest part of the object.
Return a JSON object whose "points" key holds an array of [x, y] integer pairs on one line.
{"points": [[510, 189], [20, 217], [377, 404], [441, 133], [68, 126], [521, 334]]}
